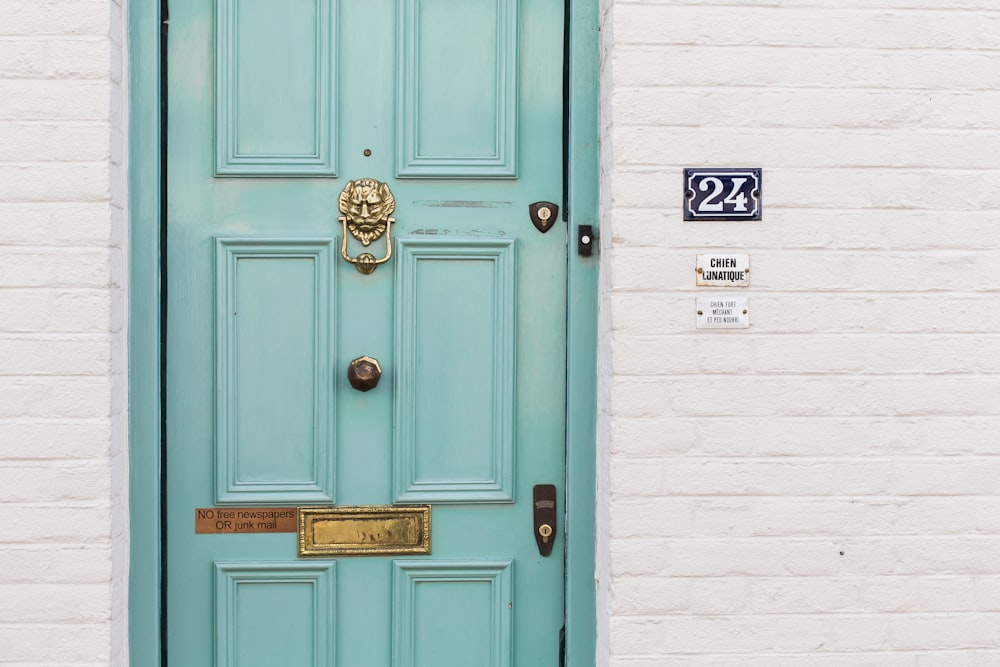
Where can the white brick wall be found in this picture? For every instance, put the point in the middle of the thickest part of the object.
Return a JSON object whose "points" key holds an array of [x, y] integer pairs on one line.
{"points": [[61, 224], [821, 489]]}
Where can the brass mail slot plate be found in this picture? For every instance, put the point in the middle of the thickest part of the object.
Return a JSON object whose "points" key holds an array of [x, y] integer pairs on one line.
{"points": [[374, 530]]}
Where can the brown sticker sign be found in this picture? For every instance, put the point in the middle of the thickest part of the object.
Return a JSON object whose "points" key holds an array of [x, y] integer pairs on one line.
{"points": [[216, 520]]}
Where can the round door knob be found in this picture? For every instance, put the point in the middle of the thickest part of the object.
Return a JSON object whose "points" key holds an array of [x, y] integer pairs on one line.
{"points": [[364, 373]]}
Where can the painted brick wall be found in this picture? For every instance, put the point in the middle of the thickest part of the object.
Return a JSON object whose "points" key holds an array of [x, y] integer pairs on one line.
{"points": [[824, 487], [61, 223]]}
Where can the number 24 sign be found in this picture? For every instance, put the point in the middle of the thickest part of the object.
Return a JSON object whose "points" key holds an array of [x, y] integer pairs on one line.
{"points": [[722, 194]]}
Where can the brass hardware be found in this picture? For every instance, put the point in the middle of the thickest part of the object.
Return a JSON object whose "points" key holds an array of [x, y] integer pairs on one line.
{"points": [[543, 214], [367, 205], [364, 373], [374, 530], [545, 517]]}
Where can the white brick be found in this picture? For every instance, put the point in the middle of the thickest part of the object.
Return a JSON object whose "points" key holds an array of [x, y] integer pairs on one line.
{"points": [[53, 57], [32, 310], [841, 354], [48, 564], [719, 66], [54, 268], [56, 482], [56, 224], [776, 595], [50, 17], [28, 524], [38, 439], [822, 110], [788, 228], [60, 603], [58, 100], [953, 630], [737, 395], [962, 658], [53, 142], [815, 27], [652, 595], [64, 355], [56, 397], [56, 182], [807, 436], [805, 148]]}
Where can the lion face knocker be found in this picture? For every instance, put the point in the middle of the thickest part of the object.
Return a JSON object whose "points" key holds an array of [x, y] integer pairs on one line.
{"points": [[366, 205]]}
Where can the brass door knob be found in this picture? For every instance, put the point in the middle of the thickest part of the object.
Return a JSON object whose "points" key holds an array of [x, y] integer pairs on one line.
{"points": [[364, 373]]}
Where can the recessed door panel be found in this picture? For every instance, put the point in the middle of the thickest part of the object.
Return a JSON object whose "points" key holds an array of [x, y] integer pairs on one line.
{"points": [[455, 340], [276, 89], [457, 77], [452, 614], [274, 614], [275, 400]]}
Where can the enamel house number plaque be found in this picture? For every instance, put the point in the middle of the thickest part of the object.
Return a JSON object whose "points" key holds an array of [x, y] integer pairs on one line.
{"points": [[722, 194]]}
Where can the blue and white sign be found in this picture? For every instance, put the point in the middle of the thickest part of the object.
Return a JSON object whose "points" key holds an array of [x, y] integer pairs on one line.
{"points": [[722, 194]]}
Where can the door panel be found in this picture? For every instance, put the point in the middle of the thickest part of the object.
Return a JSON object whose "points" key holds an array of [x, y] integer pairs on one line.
{"points": [[274, 613], [274, 316], [452, 614], [458, 88], [275, 105], [455, 346]]}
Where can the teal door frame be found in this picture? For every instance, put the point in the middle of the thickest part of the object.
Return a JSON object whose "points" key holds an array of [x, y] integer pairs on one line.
{"points": [[145, 326]]}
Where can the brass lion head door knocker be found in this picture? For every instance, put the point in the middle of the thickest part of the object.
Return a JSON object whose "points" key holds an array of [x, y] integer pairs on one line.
{"points": [[367, 205]]}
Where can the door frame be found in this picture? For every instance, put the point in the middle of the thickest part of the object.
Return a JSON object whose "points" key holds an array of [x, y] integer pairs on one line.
{"points": [[146, 220]]}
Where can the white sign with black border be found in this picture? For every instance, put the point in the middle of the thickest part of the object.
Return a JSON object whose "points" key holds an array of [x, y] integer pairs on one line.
{"points": [[717, 270]]}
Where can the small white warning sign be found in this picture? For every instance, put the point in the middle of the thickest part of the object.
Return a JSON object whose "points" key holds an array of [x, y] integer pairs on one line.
{"points": [[723, 312], [722, 270]]}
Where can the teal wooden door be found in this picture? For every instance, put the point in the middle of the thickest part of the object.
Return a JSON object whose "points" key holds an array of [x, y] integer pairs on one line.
{"points": [[274, 107]]}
